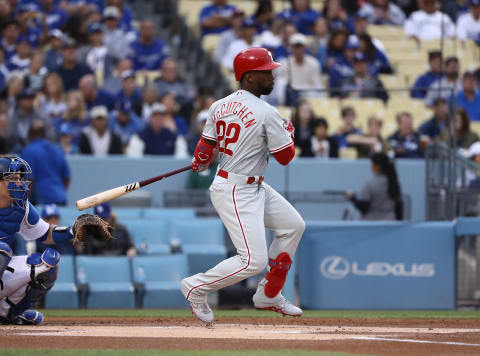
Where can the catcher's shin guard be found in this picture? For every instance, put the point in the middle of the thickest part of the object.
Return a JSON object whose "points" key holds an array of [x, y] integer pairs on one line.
{"points": [[277, 274], [43, 273], [5, 257]]}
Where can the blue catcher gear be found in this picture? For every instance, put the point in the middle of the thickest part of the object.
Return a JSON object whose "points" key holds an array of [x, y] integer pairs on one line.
{"points": [[43, 274], [17, 173], [5, 257]]}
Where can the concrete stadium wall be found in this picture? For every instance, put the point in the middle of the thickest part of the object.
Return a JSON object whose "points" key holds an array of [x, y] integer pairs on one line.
{"points": [[91, 175]]}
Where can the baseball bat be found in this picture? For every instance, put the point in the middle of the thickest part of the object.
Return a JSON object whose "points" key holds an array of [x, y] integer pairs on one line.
{"points": [[114, 193]]}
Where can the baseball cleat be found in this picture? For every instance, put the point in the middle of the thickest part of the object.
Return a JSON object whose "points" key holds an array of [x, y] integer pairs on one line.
{"points": [[202, 311], [277, 304], [28, 317]]}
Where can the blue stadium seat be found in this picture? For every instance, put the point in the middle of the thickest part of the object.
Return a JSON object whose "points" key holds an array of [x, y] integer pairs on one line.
{"points": [[127, 213], [109, 281], [161, 277], [155, 213], [202, 240], [150, 236], [64, 292], [68, 215]]}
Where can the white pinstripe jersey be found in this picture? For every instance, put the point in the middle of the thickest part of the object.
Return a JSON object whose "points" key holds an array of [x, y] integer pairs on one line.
{"points": [[246, 129]]}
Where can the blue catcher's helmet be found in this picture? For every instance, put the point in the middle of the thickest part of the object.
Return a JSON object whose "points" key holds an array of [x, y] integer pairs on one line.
{"points": [[17, 173]]}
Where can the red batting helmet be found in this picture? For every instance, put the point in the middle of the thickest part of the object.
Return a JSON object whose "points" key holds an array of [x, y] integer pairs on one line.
{"points": [[254, 58]]}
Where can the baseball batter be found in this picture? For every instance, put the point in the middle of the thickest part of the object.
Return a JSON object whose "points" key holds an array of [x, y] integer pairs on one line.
{"points": [[245, 130], [24, 280]]}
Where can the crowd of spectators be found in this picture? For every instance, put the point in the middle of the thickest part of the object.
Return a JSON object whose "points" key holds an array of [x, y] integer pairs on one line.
{"points": [[82, 70], [330, 53]]}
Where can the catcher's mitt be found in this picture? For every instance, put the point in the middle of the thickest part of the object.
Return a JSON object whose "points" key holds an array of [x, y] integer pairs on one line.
{"points": [[91, 225]]}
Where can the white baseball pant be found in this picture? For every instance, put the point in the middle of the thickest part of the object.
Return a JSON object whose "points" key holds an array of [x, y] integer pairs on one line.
{"points": [[246, 209]]}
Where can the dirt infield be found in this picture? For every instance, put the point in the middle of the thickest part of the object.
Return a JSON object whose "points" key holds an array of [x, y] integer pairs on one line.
{"points": [[367, 336]]}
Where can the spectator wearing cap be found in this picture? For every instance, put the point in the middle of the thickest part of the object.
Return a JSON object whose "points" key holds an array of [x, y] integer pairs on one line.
{"points": [[405, 142], [228, 36], [362, 84], [53, 56], [96, 55], [469, 98], [424, 81], [65, 139], [383, 12], [468, 25], [148, 52], [342, 68], [71, 71], [126, 14], [50, 171], [113, 80], [114, 37], [217, 17], [124, 122], [300, 71], [428, 23], [24, 115], [361, 28], [51, 215], [301, 15], [160, 135], [171, 82], [21, 59], [94, 96], [97, 139], [31, 20], [448, 85], [320, 145], [55, 17], [10, 33], [130, 92], [120, 245], [432, 128], [248, 39]]}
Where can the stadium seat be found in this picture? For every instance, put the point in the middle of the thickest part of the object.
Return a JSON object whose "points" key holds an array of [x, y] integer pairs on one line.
{"points": [[64, 293], [190, 10], [395, 82], [160, 278], [150, 236], [108, 279], [210, 42], [285, 111], [155, 213], [128, 213], [202, 240], [68, 215], [386, 33], [329, 108], [475, 127]]}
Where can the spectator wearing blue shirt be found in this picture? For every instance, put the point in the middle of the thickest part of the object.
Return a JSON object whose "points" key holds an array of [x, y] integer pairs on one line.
{"points": [[169, 101], [30, 18], [94, 96], [405, 142], [348, 117], [55, 17], [432, 128], [65, 139], [126, 21], [284, 50], [53, 56], [21, 60], [217, 17], [342, 68], [424, 81], [301, 15], [148, 52], [335, 48], [378, 62], [50, 171], [337, 16], [10, 32], [129, 92], [124, 122], [160, 135], [264, 15], [469, 98], [70, 70]]}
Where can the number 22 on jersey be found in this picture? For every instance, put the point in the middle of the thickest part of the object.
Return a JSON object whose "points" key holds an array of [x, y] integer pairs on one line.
{"points": [[226, 135]]}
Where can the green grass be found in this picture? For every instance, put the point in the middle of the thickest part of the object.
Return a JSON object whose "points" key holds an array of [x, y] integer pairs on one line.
{"points": [[252, 313], [81, 352]]}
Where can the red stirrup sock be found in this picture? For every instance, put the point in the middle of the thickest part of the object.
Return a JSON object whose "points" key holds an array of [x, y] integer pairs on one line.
{"points": [[278, 274]]}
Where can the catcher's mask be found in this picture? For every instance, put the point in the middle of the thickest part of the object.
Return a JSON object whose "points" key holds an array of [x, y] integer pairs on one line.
{"points": [[17, 173]]}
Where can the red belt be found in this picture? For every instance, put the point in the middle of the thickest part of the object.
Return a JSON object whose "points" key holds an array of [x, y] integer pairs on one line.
{"points": [[249, 180]]}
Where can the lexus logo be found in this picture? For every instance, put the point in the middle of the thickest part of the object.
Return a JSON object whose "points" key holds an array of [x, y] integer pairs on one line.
{"points": [[335, 267]]}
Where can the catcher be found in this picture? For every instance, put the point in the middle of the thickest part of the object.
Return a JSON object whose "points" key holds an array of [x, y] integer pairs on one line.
{"points": [[24, 280]]}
